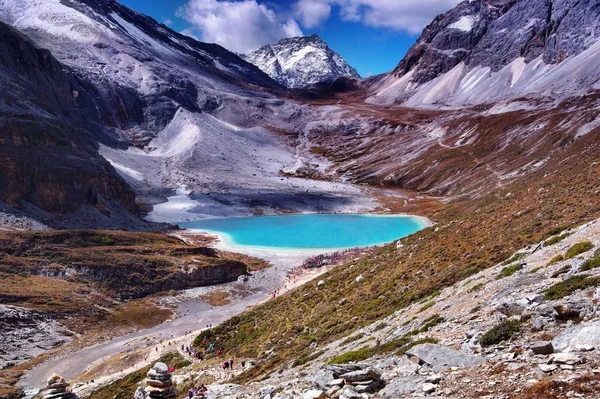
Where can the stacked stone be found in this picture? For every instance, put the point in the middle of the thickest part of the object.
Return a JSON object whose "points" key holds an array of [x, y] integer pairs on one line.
{"points": [[57, 388], [353, 379], [158, 384]]}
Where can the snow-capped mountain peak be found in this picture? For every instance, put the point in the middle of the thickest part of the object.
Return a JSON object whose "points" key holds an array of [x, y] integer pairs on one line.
{"points": [[301, 61]]}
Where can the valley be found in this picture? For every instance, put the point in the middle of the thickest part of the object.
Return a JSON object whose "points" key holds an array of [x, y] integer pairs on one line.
{"points": [[117, 130]]}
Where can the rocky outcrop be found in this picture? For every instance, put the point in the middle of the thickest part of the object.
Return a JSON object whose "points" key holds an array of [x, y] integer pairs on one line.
{"points": [[49, 125], [301, 61], [20, 326], [492, 33]]}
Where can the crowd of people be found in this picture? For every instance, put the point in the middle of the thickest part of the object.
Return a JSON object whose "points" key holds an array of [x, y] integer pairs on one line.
{"points": [[197, 391]]}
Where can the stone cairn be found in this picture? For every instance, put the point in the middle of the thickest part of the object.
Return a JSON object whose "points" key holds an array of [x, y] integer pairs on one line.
{"points": [[158, 384], [57, 388]]}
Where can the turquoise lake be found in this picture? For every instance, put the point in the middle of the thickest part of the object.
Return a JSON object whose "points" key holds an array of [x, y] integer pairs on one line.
{"points": [[318, 231]]}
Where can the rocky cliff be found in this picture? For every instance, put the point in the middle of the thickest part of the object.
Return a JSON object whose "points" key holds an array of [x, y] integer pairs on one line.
{"points": [[490, 50], [48, 154]]}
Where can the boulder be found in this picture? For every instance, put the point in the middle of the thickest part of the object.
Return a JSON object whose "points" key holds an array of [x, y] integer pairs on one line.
{"points": [[361, 375], [314, 394], [565, 358], [401, 387], [428, 387], [441, 357], [542, 348], [577, 336], [548, 368], [407, 367]]}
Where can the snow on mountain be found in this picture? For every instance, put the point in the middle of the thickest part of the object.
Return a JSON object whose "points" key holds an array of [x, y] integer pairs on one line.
{"points": [[492, 50], [181, 116], [301, 61]]}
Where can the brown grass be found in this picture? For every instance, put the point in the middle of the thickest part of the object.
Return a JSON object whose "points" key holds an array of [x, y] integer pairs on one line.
{"points": [[217, 298], [471, 235]]}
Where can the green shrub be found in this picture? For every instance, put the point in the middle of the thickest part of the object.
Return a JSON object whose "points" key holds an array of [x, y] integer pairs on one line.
{"points": [[431, 322], [426, 306], [353, 356], [305, 358], [501, 332], [352, 338], [514, 258], [578, 249], [556, 239], [592, 263], [380, 326], [509, 271], [476, 287], [556, 259], [535, 270], [572, 284]]}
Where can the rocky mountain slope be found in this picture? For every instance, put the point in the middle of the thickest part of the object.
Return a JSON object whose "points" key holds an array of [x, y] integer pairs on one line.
{"points": [[301, 61], [50, 128], [152, 87], [491, 50]]}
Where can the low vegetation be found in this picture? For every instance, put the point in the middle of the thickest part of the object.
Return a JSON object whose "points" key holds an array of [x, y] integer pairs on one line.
{"points": [[399, 346], [501, 332], [556, 239], [569, 286], [578, 249], [509, 271], [516, 257], [125, 387], [470, 235], [592, 263], [556, 259]]}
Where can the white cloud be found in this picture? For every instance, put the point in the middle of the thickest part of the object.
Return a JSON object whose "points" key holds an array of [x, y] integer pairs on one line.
{"points": [[312, 12], [240, 26], [402, 15], [168, 22]]}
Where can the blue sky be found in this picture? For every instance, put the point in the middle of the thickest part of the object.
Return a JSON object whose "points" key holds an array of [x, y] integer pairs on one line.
{"points": [[372, 35]]}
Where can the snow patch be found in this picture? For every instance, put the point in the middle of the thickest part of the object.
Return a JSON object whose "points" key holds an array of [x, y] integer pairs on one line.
{"points": [[465, 23]]}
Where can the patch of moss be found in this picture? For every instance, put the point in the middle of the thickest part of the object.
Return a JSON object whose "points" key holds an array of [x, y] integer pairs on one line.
{"points": [[556, 239], [514, 258], [476, 288], [305, 358], [556, 259], [426, 306], [567, 287], [509, 271], [352, 338], [592, 263], [578, 249], [501, 332]]}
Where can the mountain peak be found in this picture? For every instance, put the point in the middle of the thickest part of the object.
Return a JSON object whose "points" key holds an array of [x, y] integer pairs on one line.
{"points": [[301, 61]]}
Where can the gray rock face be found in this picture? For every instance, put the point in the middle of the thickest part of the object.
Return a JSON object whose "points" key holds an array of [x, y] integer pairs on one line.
{"points": [[441, 358], [301, 61], [20, 327], [492, 33], [578, 336]]}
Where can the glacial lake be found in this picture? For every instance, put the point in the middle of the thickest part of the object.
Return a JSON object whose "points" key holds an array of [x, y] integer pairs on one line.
{"points": [[309, 231]]}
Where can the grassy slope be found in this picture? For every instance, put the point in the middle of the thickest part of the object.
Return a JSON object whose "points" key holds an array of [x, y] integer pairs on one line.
{"points": [[69, 272], [470, 235], [124, 388]]}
